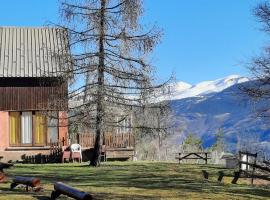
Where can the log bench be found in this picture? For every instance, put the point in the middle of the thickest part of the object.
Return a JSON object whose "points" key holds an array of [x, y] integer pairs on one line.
{"points": [[26, 181], [61, 188]]}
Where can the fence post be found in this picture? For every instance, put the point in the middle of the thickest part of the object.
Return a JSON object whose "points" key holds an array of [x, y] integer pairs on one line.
{"points": [[247, 166], [78, 138], [253, 169], [50, 146], [240, 160]]}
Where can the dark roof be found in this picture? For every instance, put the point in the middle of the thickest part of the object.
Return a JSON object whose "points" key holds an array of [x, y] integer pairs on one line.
{"points": [[32, 52]]}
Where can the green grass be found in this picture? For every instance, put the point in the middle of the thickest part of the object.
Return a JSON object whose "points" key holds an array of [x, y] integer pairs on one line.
{"points": [[133, 180]]}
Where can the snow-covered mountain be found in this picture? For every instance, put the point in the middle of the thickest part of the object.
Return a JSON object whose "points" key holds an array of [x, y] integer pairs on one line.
{"points": [[204, 108], [184, 90]]}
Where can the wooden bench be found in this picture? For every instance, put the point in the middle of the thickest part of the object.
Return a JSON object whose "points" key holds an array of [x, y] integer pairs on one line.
{"points": [[61, 188], [26, 181], [193, 155]]}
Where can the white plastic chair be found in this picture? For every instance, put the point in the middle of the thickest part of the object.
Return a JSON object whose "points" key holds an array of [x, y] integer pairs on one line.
{"points": [[76, 152]]}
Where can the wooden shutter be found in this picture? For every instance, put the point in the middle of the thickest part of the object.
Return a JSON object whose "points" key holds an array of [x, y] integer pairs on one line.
{"points": [[40, 129], [14, 128]]}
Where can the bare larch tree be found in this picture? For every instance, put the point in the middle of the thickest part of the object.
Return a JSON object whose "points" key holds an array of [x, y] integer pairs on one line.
{"points": [[111, 72]]}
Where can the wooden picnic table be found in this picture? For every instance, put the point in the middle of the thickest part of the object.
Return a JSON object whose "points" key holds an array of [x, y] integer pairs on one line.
{"points": [[193, 155]]}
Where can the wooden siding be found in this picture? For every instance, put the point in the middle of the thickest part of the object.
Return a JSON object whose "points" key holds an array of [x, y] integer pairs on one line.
{"points": [[20, 98]]}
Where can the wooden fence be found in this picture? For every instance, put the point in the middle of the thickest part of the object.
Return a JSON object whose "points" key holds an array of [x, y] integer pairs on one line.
{"points": [[119, 140], [53, 157]]}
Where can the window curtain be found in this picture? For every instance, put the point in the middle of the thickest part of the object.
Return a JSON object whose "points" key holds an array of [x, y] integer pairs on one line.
{"points": [[40, 129], [14, 128], [26, 127]]}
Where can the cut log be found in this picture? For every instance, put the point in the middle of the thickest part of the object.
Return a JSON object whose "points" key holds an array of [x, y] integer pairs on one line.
{"points": [[61, 188], [5, 166], [2, 177], [27, 181]]}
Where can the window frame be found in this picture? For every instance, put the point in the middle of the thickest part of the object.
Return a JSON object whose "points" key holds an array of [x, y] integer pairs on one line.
{"points": [[32, 144]]}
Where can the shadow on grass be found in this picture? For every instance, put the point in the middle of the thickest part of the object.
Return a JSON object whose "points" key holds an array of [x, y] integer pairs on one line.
{"points": [[141, 176]]}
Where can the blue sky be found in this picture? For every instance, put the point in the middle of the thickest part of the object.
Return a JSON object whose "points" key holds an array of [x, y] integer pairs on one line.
{"points": [[203, 39]]}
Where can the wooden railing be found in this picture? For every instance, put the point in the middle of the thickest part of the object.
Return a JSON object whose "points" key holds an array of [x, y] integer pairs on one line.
{"points": [[56, 146], [120, 140]]}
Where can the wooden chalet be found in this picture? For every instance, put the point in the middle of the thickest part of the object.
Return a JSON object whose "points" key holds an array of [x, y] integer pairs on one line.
{"points": [[30, 83]]}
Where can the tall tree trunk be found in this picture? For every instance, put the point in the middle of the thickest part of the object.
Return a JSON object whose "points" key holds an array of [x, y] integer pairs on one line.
{"points": [[95, 161]]}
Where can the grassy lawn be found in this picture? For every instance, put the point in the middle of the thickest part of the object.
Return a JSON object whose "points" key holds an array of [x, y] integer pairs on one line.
{"points": [[133, 180]]}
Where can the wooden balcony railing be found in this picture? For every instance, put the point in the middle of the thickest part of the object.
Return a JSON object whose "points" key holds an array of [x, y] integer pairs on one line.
{"points": [[120, 140]]}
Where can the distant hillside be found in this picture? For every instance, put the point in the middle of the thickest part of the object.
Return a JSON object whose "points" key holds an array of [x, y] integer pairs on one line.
{"points": [[219, 104]]}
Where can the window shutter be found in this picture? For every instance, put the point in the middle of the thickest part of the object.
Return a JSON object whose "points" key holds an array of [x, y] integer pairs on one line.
{"points": [[14, 128], [40, 129]]}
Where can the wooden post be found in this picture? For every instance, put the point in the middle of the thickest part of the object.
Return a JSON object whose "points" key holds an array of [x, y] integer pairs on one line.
{"points": [[236, 177], [129, 138], [63, 141], [247, 164], [253, 169], [205, 174], [221, 175], [50, 146], [78, 138], [240, 160], [206, 158]]}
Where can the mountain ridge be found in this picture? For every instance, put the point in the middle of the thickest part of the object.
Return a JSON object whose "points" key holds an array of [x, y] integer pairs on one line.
{"points": [[184, 90], [226, 108]]}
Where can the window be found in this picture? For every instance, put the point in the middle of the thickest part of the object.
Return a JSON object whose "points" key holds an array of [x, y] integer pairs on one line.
{"points": [[32, 129], [53, 128]]}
